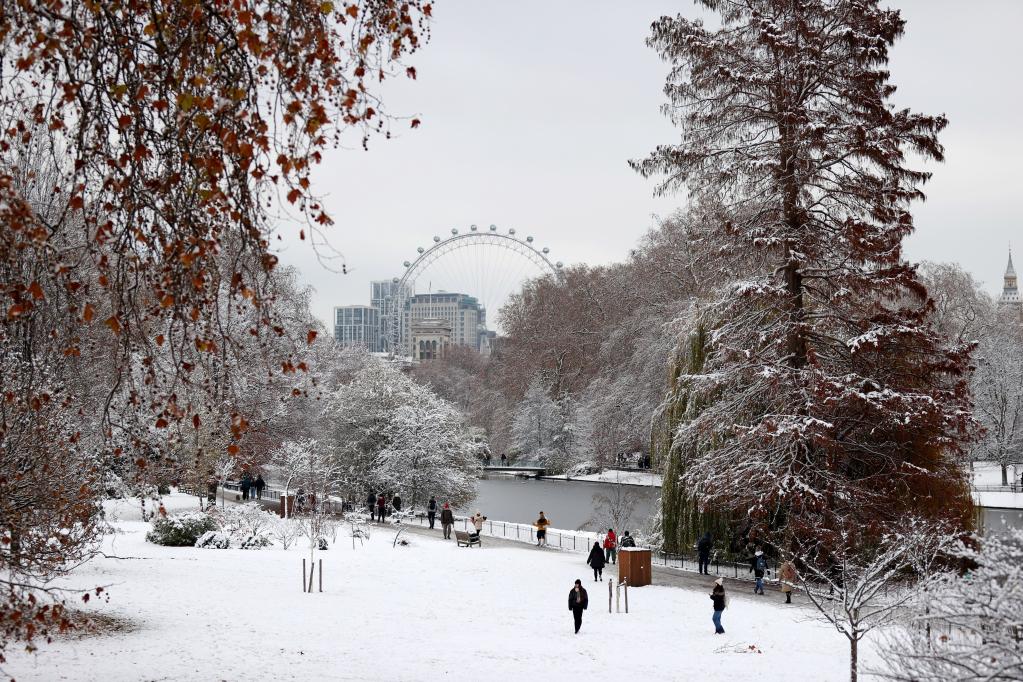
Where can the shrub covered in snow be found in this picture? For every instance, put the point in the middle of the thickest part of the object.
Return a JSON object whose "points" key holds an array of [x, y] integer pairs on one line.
{"points": [[180, 531], [256, 542], [213, 539]]}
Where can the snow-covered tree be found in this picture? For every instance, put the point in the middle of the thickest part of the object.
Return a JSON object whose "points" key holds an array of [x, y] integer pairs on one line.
{"points": [[861, 581], [965, 625], [536, 423], [825, 393], [389, 433], [998, 394]]}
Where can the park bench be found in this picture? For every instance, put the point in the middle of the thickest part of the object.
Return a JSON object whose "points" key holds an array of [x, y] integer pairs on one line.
{"points": [[463, 539]]}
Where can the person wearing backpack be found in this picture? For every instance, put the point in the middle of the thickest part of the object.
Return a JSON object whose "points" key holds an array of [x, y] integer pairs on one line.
{"points": [[758, 567], [610, 547], [717, 596], [703, 548], [431, 510]]}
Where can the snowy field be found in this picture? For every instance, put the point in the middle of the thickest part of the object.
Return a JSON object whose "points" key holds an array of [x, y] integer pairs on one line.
{"points": [[424, 612]]}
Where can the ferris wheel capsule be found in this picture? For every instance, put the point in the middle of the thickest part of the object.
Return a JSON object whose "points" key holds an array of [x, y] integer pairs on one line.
{"points": [[436, 238], [559, 264], [529, 239], [493, 228], [395, 280], [511, 231], [406, 264], [454, 231], [420, 249], [473, 228], [545, 250]]}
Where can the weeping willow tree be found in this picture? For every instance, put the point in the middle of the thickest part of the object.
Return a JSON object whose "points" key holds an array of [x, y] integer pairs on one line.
{"points": [[683, 520]]}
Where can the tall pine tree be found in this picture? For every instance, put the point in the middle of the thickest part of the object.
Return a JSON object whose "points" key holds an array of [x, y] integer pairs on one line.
{"points": [[826, 397]]}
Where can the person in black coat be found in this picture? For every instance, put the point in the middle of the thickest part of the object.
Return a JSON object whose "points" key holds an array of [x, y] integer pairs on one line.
{"points": [[246, 484], [628, 540], [703, 548], [578, 600], [431, 510], [596, 561], [396, 502], [371, 502], [718, 597], [259, 485]]}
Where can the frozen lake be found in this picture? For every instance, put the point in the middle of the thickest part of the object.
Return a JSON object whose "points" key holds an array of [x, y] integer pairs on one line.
{"points": [[570, 505]]}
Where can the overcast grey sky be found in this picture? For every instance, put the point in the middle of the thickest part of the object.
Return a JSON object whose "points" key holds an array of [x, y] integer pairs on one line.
{"points": [[532, 108]]}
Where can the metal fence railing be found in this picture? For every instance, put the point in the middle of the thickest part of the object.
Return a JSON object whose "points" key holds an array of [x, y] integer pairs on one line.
{"points": [[582, 541], [991, 488]]}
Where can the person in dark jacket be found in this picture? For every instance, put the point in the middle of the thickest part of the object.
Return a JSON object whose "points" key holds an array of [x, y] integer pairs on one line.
{"points": [[628, 540], [431, 510], [396, 502], [578, 600], [703, 548], [447, 520], [259, 484], [371, 502], [758, 567], [718, 597], [246, 484], [596, 561], [381, 507]]}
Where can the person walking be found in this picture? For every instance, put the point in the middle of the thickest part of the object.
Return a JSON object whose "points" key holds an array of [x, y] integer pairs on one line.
{"points": [[578, 600], [381, 507], [477, 522], [787, 576], [246, 483], [596, 562], [447, 520], [610, 547], [628, 540], [396, 502], [717, 596], [371, 502], [703, 548], [504, 459], [758, 567], [541, 530], [260, 484], [431, 510]]}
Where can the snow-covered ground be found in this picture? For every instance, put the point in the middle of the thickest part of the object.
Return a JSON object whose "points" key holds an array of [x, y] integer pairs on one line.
{"points": [[989, 473], [625, 477], [424, 612]]}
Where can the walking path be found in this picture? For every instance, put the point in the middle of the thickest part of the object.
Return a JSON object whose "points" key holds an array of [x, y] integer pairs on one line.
{"points": [[670, 577]]}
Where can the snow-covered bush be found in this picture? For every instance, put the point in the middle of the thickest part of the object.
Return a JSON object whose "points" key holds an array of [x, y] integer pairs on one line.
{"points": [[244, 520], [285, 531], [181, 530], [255, 542], [213, 539]]}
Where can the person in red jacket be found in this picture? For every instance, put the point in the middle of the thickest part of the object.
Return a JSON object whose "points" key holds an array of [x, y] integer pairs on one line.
{"points": [[610, 547]]}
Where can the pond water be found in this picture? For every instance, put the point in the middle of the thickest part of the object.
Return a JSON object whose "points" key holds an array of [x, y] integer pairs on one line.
{"points": [[570, 505], [575, 505]]}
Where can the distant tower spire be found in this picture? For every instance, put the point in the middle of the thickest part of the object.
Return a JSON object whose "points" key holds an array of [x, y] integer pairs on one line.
{"points": [[1010, 293]]}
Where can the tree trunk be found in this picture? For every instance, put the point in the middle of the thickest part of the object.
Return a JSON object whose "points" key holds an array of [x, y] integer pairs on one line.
{"points": [[1005, 474], [853, 657]]}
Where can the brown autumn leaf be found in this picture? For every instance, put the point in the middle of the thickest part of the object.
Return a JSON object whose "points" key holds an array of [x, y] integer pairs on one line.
{"points": [[416, 122], [311, 336], [114, 324]]}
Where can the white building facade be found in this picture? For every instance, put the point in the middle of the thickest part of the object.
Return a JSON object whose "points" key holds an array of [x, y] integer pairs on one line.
{"points": [[464, 313]]}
